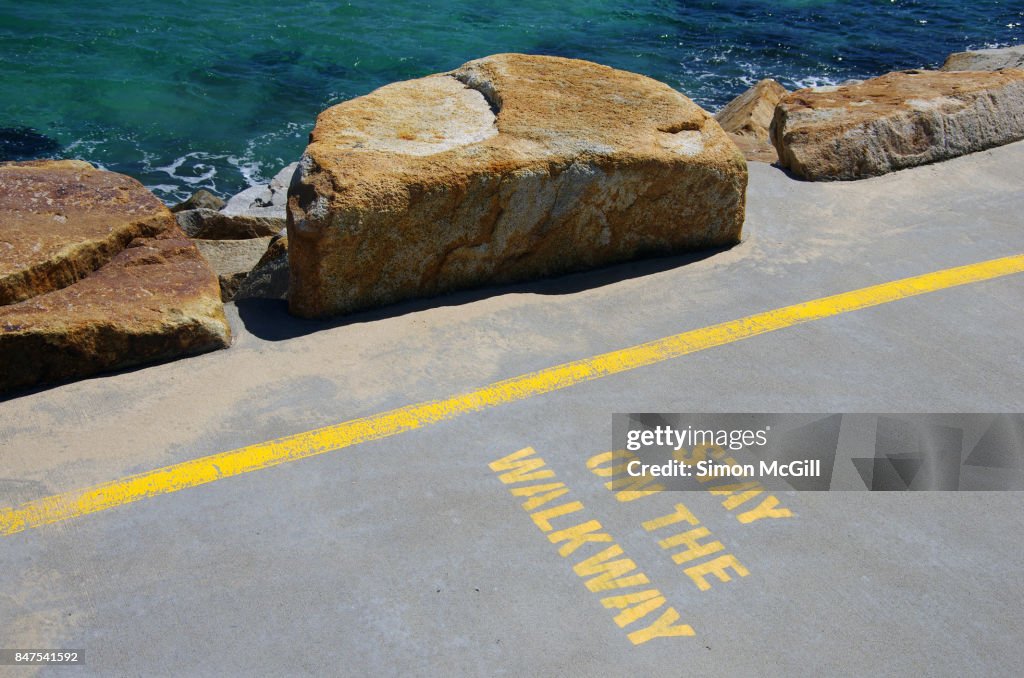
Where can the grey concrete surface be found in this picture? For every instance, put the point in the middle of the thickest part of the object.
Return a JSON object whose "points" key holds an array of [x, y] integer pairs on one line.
{"points": [[408, 555]]}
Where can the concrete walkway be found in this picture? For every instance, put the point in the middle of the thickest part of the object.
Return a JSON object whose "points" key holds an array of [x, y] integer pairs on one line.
{"points": [[410, 554]]}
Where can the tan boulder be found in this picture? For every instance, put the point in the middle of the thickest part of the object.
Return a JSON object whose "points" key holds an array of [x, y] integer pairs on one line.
{"points": [[748, 117], [96, 276], [985, 59], [895, 121], [64, 219], [509, 168], [232, 260]]}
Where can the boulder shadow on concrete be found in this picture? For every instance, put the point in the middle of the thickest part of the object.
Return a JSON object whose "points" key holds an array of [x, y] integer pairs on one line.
{"points": [[270, 320]]}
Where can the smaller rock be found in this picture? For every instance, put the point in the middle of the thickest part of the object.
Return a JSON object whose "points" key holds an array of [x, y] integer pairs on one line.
{"points": [[256, 197], [207, 224], [95, 275], [267, 201], [60, 220], [750, 114], [897, 120], [747, 118], [232, 260], [985, 59], [281, 181], [269, 279], [200, 199]]}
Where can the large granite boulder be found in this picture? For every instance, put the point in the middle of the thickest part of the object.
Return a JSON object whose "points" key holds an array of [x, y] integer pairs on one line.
{"points": [[748, 117], [95, 275], [985, 59], [895, 121], [509, 168]]}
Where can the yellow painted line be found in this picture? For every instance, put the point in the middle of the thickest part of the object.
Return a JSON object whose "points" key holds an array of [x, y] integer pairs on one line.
{"points": [[186, 474]]}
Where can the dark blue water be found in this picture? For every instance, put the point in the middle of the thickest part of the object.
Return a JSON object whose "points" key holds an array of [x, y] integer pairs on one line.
{"points": [[219, 94]]}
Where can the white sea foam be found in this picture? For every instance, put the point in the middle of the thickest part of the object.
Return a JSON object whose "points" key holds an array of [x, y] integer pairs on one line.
{"points": [[196, 162], [162, 188], [251, 169]]}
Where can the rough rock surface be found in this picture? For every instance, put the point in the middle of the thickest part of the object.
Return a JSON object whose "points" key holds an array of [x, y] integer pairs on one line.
{"points": [[232, 260], [755, 150], [200, 199], [64, 219], [748, 117], [509, 168], [209, 224], [267, 201], [895, 121], [985, 59], [269, 278], [96, 276]]}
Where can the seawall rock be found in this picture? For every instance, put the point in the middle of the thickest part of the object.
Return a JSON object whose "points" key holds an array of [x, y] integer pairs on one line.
{"points": [[207, 224], [269, 278], [97, 276], [747, 119], [200, 199], [62, 220], [985, 59], [266, 201], [895, 121], [232, 260], [509, 168]]}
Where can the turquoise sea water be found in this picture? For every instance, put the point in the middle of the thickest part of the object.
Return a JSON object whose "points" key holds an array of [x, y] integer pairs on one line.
{"points": [[219, 94]]}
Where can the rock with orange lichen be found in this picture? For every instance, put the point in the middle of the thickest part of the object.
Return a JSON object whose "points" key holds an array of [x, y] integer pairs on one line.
{"points": [[506, 169], [95, 275]]}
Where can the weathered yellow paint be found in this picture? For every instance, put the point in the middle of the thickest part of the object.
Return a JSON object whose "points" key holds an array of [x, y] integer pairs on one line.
{"points": [[681, 513], [535, 502], [543, 518], [735, 500], [717, 567], [520, 469], [347, 434], [607, 574], [531, 490], [596, 464], [551, 492], [630, 489], [726, 490], [634, 606], [663, 627], [691, 540], [766, 509], [577, 536]]}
